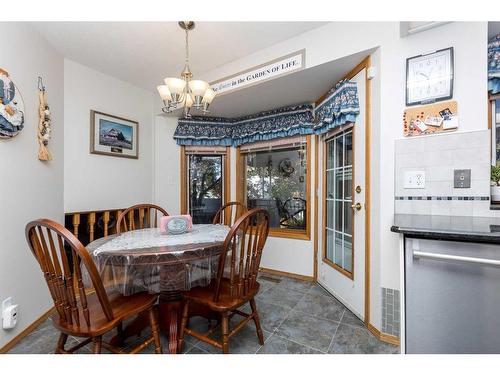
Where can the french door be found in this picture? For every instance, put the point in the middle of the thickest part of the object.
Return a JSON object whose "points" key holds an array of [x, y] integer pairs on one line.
{"points": [[341, 268]]}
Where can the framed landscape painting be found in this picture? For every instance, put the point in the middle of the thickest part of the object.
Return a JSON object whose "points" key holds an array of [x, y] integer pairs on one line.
{"points": [[114, 136]]}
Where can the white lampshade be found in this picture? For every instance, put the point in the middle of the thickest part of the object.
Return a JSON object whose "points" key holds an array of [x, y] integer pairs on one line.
{"points": [[164, 92], [175, 85], [189, 101], [198, 87], [208, 96]]}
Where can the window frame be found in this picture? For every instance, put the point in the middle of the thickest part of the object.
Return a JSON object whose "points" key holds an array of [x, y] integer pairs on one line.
{"points": [[325, 139], [492, 104], [241, 196], [184, 174]]}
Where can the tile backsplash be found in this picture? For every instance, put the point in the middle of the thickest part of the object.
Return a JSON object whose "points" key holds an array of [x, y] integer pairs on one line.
{"points": [[439, 156]]}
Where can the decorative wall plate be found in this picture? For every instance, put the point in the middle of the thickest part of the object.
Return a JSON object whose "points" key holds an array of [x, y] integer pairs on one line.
{"points": [[11, 107]]}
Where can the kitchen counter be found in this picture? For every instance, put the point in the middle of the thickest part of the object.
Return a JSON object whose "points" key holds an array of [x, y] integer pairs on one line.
{"points": [[451, 228]]}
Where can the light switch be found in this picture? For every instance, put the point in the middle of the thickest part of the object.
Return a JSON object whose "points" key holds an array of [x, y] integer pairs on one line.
{"points": [[414, 180], [461, 179]]}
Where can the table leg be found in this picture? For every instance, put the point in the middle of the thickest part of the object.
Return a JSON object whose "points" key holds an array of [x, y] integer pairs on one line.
{"points": [[170, 312]]}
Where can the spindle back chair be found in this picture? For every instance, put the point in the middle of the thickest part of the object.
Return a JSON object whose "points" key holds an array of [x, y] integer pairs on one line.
{"points": [[236, 282], [139, 216], [80, 311], [229, 213]]}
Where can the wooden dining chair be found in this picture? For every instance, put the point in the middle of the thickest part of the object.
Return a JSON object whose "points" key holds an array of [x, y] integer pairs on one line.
{"points": [[229, 213], [236, 283], [78, 312], [139, 216]]}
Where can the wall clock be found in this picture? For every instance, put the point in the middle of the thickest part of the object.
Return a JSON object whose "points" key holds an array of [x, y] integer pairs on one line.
{"points": [[429, 77]]}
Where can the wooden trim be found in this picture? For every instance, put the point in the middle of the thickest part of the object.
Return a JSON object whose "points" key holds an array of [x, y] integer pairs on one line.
{"points": [[315, 199], [227, 176], [338, 132], [279, 232], [365, 64], [183, 180], [25, 332], [287, 274], [389, 339], [226, 156]]}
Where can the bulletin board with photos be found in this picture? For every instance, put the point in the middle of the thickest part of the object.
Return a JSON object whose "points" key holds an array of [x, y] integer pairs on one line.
{"points": [[430, 119]]}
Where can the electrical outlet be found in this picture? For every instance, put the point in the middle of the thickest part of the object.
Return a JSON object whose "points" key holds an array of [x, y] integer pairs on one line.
{"points": [[414, 180]]}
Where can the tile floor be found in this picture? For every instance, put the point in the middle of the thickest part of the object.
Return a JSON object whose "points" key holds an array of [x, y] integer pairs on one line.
{"points": [[297, 317]]}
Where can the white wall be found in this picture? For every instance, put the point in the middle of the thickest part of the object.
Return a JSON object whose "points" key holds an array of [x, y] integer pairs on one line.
{"points": [[31, 189], [94, 182]]}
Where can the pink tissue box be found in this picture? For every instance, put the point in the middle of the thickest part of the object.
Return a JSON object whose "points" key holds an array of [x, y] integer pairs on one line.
{"points": [[176, 224]]}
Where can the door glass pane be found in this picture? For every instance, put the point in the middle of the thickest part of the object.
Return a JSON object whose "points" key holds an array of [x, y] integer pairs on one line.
{"points": [[338, 249], [339, 181], [339, 152], [348, 183], [330, 184], [205, 187], [329, 245], [348, 253], [339, 215], [348, 149]]}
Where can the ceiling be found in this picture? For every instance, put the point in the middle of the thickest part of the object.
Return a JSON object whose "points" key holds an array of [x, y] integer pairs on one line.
{"points": [[143, 53], [305, 86]]}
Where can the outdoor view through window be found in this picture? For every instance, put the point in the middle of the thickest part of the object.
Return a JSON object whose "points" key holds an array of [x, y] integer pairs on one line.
{"points": [[276, 181]]}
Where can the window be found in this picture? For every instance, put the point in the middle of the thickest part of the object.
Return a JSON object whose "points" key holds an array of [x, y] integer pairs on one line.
{"points": [[204, 182], [274, 176], [338, 201]]}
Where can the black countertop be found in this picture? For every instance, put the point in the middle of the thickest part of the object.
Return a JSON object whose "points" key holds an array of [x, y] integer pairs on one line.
{"points": [[453, 228]]}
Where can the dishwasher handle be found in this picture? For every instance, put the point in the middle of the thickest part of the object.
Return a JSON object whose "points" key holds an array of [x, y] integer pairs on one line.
{"points": [[458, 258]]}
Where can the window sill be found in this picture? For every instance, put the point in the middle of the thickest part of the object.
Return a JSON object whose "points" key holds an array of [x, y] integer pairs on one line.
{"points": [[291, 234]]}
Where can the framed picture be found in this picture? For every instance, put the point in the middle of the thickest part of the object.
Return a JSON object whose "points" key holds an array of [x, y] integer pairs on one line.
{"points": [[114, 136], [429, 77]]}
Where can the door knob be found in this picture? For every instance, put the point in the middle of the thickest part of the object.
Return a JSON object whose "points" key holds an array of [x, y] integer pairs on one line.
{"points": [[356, 206]]}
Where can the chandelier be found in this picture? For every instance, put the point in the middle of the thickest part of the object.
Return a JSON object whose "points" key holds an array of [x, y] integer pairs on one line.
{"points": [[185, 92]]}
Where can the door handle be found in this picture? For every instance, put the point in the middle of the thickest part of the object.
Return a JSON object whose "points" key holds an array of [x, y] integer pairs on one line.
{"points": [[356, 206], [458, 258]]}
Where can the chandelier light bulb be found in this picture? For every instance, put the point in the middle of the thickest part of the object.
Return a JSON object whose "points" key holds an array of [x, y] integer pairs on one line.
{"points": [[164, 92], [175, 85], [208, 96], [198, 87]]}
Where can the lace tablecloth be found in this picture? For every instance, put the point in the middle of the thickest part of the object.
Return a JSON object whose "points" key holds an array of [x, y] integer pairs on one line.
{"points": [[145, 260]]}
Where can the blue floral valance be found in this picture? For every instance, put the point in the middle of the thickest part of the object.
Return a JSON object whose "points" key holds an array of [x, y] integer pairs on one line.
{"points": [[494, 65], [278, 123], [340, 106]]}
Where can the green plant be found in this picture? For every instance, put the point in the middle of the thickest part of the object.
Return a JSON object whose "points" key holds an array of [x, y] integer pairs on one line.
{"points": [[495, 174]]}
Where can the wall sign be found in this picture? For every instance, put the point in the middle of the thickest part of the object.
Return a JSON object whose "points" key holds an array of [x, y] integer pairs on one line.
{"points": [[270, 70]]}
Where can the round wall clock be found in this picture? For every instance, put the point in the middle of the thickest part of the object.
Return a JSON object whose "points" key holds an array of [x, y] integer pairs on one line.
{"points": [[11, 107], [429, 77]]}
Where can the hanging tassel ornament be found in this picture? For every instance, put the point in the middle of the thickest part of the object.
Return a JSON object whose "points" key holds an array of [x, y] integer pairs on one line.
{"points": [[44, 124]]}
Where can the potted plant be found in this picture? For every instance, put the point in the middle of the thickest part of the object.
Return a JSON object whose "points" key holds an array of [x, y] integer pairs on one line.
{"points": [[495, 183]]}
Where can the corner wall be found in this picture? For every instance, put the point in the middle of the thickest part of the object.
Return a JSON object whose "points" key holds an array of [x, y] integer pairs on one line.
{"points": [[94, 182], [31, 189]]}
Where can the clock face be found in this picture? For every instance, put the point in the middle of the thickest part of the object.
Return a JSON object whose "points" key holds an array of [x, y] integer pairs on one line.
{"points": [[429, 78]]}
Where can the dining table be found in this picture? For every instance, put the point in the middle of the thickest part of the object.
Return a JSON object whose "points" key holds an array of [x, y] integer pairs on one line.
{"points": [[164, 264]]}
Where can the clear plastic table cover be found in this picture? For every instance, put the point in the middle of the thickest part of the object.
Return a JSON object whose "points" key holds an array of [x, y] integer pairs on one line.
{"points": [[146, 260]]}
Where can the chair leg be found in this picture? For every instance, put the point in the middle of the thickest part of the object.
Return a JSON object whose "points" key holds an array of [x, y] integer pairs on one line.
{"points": [[154, 329], [184, 322], [225, 333], [119, 329], [60, 343], [257, 321], [97, 344]]}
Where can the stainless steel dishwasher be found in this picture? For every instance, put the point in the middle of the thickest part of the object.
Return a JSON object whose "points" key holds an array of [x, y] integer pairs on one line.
{"points": [[452, 297]]}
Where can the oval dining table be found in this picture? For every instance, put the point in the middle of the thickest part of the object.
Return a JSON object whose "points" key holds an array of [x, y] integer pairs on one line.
{"points": [[146, 260]]}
